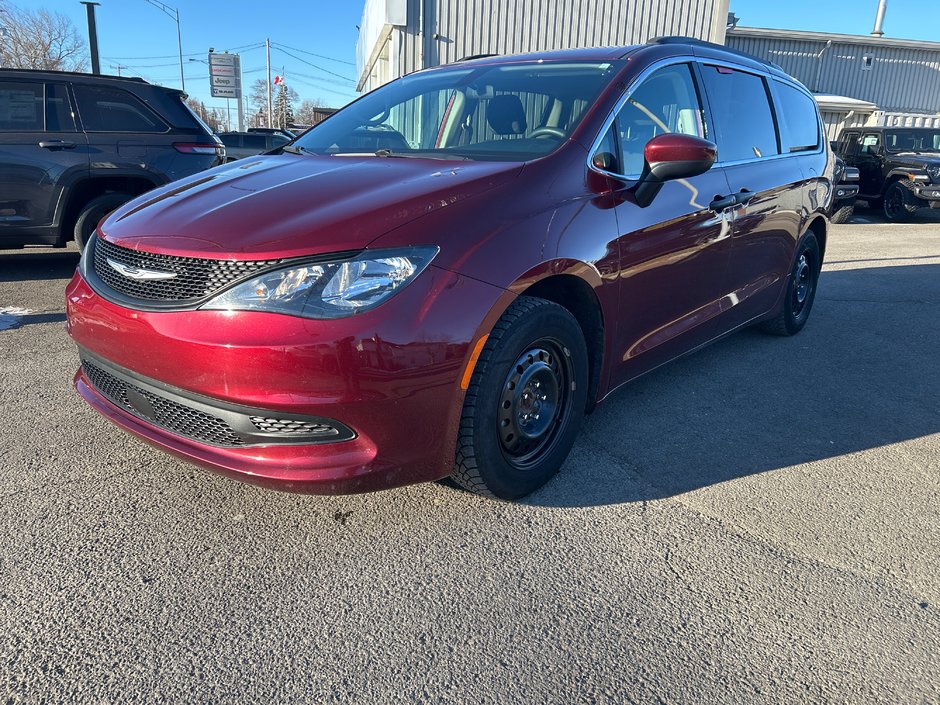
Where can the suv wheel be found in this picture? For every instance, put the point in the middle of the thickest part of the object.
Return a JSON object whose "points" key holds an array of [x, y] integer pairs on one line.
{"points": [[525, 401], [898, 204], [93, 212], [801, 289]]}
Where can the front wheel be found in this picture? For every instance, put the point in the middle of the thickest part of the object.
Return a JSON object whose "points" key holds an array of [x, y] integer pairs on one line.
{"points": [[801, 289], [525, 401], [898, 205]]}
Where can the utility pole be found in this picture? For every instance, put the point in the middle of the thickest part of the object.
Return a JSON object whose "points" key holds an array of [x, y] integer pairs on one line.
{"points": [[92, 35], [267, 46], [118, 67]]}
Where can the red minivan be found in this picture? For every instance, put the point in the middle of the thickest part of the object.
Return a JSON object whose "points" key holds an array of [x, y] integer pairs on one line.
{"points": [[445, 276]]}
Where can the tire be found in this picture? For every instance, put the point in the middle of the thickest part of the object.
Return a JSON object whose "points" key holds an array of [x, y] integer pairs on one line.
{"points": [[898, 204], [800, 289], [843, 214], [93, 212], [504, 448]]}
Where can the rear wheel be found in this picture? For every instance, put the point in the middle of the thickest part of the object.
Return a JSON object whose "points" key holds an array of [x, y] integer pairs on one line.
{"points": [[93, 212], [525, 401], [898, 204], [801, 289]]}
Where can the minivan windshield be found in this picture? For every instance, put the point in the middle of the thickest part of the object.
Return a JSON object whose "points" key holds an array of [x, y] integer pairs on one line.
{"points": [[504, 112], [913, 140]]}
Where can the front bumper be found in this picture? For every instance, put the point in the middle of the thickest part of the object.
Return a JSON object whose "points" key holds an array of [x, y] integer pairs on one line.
{"points": [[390, 376], [928, 192]]}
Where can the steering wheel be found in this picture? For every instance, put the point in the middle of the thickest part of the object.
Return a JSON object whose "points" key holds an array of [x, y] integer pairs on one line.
{"points": [[546, 131]]}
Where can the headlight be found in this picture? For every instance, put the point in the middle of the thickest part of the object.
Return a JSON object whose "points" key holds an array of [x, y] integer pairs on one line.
{"points": [[329, 289], [933, 171]]}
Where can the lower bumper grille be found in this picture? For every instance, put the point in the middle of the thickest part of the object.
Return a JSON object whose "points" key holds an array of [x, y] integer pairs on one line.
{"points": [[168, 414], [217, 424]]}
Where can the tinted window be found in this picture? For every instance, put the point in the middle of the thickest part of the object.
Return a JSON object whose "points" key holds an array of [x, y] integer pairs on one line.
{"points": [[59, 115], [665, 102], [277, 140], [849, 143], [231, 140], [742, 112], [21, 107], [113, 110], [913, 141], [258, 142], [798, 115]]}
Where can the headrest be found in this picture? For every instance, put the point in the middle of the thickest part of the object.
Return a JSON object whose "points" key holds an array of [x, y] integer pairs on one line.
{"points": [[506, 115]]}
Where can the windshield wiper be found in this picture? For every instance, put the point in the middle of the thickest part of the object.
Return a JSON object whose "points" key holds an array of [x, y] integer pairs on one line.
{"points": [[417, 154]]}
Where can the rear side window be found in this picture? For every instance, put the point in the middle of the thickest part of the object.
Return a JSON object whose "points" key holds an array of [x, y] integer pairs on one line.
{"points": [[231, 140], [849, 143], [21, 107], [799, 121], [741, 108], [59, 115], [106, 109], [254, 142]]}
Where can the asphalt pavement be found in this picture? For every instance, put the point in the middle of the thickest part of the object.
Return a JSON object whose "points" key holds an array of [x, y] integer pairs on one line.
{"points": [[755, 523]]}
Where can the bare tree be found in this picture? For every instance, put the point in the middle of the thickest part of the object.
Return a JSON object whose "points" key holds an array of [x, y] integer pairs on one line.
{"points": [[213, 117], [306, 113], [258, 96], [40, 40]]}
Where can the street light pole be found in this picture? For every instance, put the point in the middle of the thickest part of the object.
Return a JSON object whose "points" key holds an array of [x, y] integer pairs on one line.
{"points": [[92, 35], [174, 13]]}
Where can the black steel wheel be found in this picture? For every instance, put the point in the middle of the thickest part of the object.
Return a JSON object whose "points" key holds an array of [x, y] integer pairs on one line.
{"points": [[525, 401], [801, 289], [897, 205]]}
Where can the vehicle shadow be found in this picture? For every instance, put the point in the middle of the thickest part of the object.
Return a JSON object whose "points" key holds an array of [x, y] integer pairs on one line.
{"points": [[865, 215], [20, 265], [862, 374]]}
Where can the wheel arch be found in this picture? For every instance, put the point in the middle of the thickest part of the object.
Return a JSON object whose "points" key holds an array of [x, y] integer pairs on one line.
{"points": [[85, 191], [576, 294]]}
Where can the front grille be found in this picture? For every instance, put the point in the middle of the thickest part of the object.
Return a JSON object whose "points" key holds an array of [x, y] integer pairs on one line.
{"points": [[293, 427], [167, 414], [195, 278]]}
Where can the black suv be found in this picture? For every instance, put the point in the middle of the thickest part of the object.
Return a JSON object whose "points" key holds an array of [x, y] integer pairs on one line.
{"points": [[74, 146], [899, 167]]}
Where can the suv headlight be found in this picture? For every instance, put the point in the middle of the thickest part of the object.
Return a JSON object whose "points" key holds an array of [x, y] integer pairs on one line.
{"points": [[933, 171], [329, 289]]}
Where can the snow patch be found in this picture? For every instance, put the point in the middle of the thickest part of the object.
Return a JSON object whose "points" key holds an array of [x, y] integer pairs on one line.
{"points": [[11, 315]]}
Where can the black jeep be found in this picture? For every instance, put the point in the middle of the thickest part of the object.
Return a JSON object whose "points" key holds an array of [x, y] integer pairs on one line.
{"points": [[74, 146], [899, 167]]}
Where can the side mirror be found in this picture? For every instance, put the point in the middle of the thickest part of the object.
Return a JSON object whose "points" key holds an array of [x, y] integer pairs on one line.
{"points": [[669, 157]]}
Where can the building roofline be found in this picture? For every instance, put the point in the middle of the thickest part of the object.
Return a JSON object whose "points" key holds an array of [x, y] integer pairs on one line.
{"points": [[859, 39]]}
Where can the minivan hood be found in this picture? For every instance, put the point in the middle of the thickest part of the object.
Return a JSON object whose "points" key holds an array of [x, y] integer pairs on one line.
{"points": [[292, 205]]}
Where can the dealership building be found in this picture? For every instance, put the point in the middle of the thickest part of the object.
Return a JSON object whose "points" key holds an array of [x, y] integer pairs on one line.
{"points": [[858, 80], [400, 36]]}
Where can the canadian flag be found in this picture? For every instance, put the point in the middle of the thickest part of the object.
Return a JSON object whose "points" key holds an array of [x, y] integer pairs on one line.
{"points": [[278, 80]]}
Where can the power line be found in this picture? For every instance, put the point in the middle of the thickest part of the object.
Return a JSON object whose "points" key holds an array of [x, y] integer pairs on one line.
{"points": [[319, 56], [318, 68], [245, 48]]}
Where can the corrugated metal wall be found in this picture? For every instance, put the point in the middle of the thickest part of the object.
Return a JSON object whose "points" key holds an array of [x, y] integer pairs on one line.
{"points": [[900, 79], [452, 29]]}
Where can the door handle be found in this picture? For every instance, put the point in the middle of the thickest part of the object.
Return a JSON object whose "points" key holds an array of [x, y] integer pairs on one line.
{"points": [[722, 203], [742, 198], [56, 144]]}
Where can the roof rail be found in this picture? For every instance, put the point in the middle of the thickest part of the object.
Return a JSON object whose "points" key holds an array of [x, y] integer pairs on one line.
{"points": [[83, 74], [475, 56], [692, 41]]}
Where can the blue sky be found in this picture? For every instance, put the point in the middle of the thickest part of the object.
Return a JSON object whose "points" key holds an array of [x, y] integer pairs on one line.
{"points": [[135, 34]]}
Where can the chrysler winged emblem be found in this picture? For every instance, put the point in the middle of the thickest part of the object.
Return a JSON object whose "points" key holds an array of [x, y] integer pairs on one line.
{"points": [[138, 273]]}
